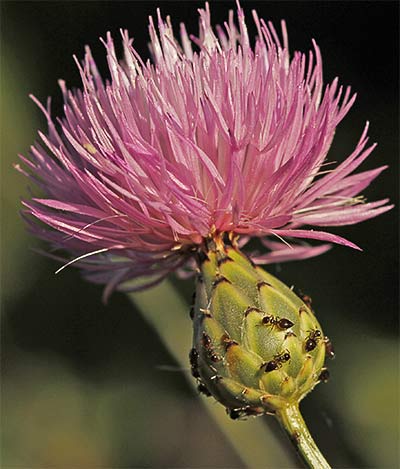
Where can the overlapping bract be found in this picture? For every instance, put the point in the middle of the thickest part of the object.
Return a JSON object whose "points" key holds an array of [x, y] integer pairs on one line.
{"points": [[229, 137]]}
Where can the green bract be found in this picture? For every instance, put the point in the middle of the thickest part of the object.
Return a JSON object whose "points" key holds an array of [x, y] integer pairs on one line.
{"points": [[257, 347]]}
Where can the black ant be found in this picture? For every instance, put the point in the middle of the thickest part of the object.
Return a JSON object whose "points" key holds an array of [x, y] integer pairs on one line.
{"points": [[277, 361], [206, 342], [324, 375], [330, 352], [240, 413], [281, 323], [202, 388], [193, 359], [306, 300], [312, 340]]}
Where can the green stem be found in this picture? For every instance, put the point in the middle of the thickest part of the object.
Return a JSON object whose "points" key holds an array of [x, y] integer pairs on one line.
{"points": [[291, 420], [252, 440]]}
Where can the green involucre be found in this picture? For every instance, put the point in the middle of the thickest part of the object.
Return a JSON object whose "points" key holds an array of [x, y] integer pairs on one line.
{"points": [[257, 347]]}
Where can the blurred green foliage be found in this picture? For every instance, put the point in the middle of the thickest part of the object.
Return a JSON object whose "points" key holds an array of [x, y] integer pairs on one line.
{"points": [[18, 121], [88, 385]]}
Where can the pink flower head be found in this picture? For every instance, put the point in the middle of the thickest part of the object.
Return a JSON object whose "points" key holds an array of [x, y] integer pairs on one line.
{"points": [[224, 138]]}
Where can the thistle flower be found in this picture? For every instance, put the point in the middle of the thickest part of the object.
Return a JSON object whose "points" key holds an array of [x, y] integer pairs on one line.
{"points": [[215, 136], [175, 165]]}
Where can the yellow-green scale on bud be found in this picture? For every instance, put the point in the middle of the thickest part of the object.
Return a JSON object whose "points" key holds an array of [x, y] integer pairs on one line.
{"points": [[257, 347]]}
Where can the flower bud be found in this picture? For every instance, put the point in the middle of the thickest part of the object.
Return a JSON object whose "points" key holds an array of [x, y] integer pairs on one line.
{"points": [[257, 347]]}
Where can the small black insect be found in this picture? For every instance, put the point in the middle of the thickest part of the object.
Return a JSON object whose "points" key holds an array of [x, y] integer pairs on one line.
{"points": [[206, 341], [214, 357], [307, 300], [239, 413], [234, 414], [203, 389], [330, 352], [324, 375], [271, 366], [312, 340], [280, 323], [193, 360], [193, 357], [277, 361]]}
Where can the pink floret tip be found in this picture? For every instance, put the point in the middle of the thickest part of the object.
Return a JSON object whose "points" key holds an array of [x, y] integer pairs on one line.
{"points": [[212, 136]]}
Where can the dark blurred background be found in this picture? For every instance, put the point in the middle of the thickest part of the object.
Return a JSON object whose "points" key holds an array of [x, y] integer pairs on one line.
{"points": [[84, 384]]}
